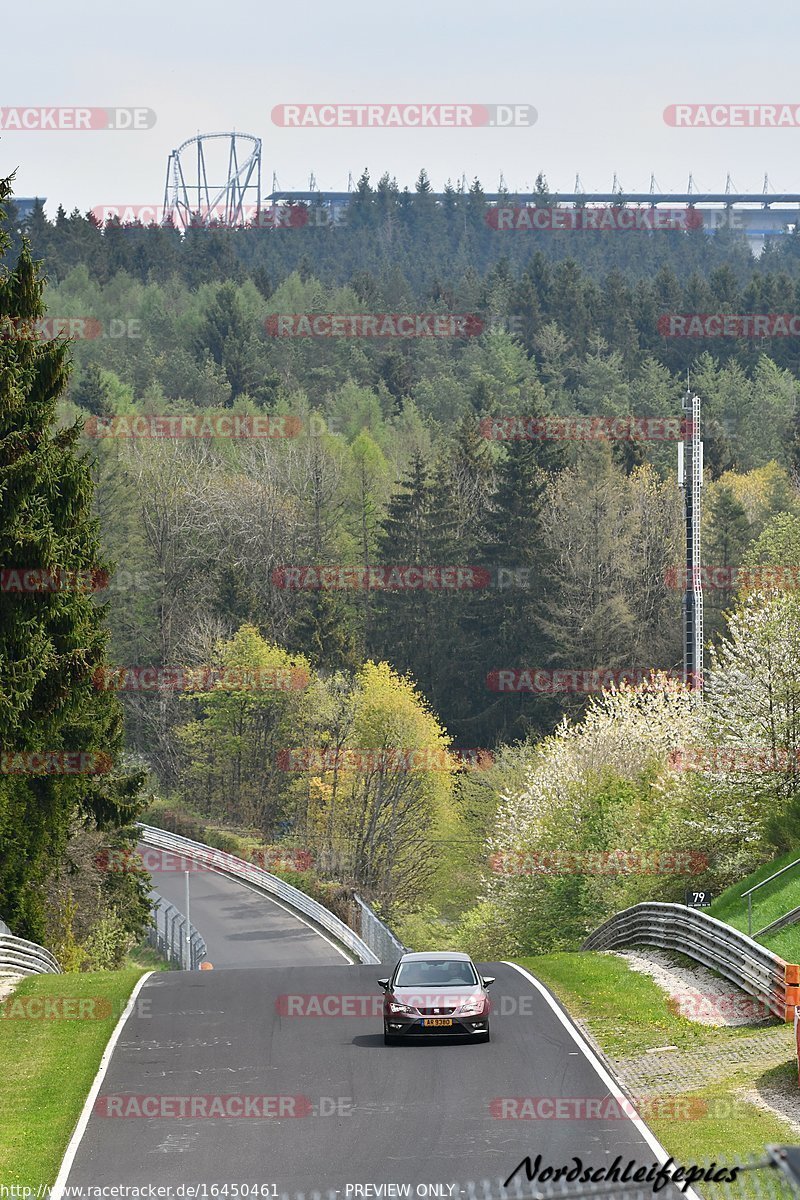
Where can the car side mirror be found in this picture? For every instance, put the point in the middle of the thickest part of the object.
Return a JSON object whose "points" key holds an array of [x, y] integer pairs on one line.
{"points": [[384, 983], [488, 979]]}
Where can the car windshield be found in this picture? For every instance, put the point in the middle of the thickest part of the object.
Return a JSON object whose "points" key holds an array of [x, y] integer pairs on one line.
{"points": [[435, 972]]}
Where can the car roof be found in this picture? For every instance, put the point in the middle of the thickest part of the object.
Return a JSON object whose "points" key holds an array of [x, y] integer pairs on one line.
{"points": [[420, 955]]}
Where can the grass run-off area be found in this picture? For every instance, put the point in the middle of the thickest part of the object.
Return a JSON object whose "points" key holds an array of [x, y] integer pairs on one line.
{"points": [[48, 1063], [769, 902], [628, 1014]]}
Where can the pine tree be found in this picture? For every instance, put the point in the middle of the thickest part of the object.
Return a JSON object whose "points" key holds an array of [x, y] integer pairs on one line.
{"points": [[728, 537], [361, 209], [226, 335], [324, 632], [51, 642], [91, 392], [415, 628], [542, 194], [515, 550]]}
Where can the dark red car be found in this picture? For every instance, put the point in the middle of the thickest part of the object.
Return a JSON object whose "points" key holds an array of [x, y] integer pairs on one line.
{"points": [[435, 995]]}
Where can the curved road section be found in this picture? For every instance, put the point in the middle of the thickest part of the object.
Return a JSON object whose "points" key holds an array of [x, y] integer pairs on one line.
{"points": [[241, 926], [274, 1080]]}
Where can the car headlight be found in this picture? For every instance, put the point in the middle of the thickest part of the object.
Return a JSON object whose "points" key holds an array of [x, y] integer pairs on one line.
{"points": [[472, 1006], [394, 1007]]}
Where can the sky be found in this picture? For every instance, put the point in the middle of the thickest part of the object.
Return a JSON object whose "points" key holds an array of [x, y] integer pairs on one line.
{"points": [[599, 73]]}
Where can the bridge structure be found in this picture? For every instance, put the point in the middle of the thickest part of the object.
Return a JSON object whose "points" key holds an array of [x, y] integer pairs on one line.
{"points": [[758, 215]]}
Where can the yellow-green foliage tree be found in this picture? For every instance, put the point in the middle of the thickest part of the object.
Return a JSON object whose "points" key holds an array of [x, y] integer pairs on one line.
{"points": [[385, 788], [254, 708]]}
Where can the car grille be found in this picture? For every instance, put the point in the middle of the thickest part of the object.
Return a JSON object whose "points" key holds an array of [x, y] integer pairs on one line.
{"points": [[436, 1012]]}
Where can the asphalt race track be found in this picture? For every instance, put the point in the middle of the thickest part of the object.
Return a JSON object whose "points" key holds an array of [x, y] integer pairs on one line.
{"points": [[242, 927], [335, 1108], [408, 1114]]}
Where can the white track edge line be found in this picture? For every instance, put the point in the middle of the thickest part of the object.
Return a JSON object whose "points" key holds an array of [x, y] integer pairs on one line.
{"points": [[602, 1071], [86, 1112]]}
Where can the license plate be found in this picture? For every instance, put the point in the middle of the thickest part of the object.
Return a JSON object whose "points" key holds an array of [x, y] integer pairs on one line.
{"points": [[437, 1021]]}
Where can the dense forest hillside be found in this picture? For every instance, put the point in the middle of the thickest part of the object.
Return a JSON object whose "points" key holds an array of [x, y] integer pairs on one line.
{"points": [[456, 535]]}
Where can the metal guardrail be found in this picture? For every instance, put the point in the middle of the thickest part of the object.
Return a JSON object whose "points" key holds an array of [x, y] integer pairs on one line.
{"points": [[724, 949], [20, 957], [175, 938], [237, 868], [376, 934]]}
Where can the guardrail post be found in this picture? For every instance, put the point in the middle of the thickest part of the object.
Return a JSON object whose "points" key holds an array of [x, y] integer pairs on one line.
{"points": [[792, 989], [175, 938], [750, 915], [188, 920]]}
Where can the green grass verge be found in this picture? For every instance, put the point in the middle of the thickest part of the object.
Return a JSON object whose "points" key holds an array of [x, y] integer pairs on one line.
{"points": [[47, 1066], [147, 959], [632, 1010], [627, 1014], [769, 903], [739, 1129]]}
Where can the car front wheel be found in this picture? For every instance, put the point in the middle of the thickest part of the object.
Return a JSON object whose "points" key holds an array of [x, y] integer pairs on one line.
{"points": [[389, 1039]]}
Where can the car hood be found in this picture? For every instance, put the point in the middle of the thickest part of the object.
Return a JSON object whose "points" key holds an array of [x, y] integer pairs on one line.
{"points": [[433, 997]]}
